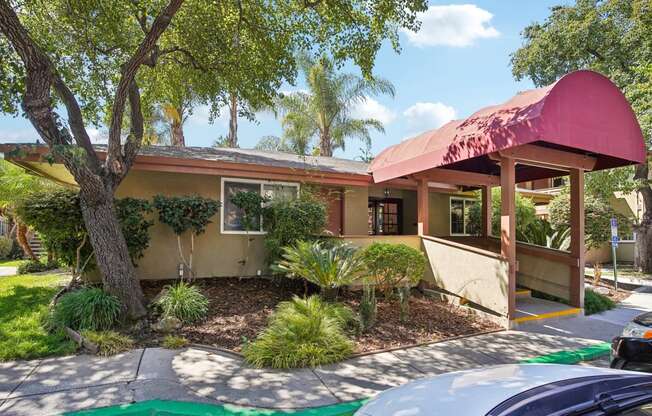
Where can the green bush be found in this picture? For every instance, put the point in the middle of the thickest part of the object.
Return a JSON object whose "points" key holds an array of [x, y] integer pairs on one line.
{"points": [[328, 267], [394, 265], [6, 244], [88, 308], [596, 303], [57, 218], [35, 266], [174, 342], [109, 342], [525, 215], [301, 333], [184, 302], [288, 221]]}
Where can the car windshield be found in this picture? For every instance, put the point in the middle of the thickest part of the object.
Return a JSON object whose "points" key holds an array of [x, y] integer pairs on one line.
{"points": [[595, 395]]}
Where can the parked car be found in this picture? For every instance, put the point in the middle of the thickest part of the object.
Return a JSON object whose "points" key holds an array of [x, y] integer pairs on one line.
{"points": [[633, 354], [639, 327], [519, 390]]}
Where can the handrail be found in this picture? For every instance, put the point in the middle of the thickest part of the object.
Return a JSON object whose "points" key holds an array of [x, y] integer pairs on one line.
{"points": [[465, 247]]}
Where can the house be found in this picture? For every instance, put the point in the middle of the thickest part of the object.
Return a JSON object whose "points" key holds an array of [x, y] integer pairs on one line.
{"points": [[415, 192]]}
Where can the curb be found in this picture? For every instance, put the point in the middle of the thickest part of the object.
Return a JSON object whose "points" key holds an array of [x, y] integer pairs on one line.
{"points": [[572, 356]]}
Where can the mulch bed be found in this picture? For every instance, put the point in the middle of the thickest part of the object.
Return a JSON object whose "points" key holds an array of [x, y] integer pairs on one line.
{"points": [[239, 310], [618, 296]]}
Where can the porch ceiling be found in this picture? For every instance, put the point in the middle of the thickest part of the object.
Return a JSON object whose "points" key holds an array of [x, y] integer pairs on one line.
{"points": [[583, 113]]}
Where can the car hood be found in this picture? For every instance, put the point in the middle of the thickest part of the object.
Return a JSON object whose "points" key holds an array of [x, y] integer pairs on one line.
{"points": [[644, 319], [471, 392]]}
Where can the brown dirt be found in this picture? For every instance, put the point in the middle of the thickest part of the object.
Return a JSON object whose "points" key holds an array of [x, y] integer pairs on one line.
{"points": [[239, 310]]}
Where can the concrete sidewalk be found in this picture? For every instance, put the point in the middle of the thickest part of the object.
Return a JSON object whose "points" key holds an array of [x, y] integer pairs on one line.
{"points": [[603, 326], [56, 385]]}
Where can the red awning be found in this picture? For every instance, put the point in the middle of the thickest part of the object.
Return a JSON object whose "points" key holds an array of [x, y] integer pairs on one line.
{"points": [[583, 112]]}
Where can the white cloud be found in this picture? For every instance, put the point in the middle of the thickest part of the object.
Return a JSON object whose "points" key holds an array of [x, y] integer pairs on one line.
{"points": [[370, 108], [19, 136], [455, 25], [423, 116], [201, 115]]}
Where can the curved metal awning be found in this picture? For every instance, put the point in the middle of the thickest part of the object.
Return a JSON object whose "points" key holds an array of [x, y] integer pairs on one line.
{"points": [[582, 113]]}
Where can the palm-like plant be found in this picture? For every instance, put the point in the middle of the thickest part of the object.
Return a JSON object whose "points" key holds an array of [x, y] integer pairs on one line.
{"points": [[327, 267], [324, 111], [15, 185]]}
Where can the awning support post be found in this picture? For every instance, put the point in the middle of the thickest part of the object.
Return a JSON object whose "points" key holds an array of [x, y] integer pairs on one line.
{"points": [[577, 247], [422, 207], [486, 211], [508, 228]]}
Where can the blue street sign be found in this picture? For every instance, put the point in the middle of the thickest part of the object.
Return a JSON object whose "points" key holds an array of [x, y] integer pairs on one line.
{"points": [[614, 240]]}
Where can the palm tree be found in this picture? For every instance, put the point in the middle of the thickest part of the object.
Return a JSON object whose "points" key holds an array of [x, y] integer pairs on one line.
{"points": [[176, 116], [324, 111], [15, 185]]}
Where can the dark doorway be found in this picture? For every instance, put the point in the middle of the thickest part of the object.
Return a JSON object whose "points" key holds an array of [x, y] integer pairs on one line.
{"points": [[385, 216]]}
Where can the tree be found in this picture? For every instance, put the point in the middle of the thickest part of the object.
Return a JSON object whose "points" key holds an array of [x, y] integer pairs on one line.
{"points": [[613, 37], [90, 63], [186, 213], [15, 186], [282, 144], [324, 111], [525, 215]]}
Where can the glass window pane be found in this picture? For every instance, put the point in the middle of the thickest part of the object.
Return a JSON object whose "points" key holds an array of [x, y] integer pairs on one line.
{"points": [[232, 214], [457, 216], [280, 191], [467, 219]]}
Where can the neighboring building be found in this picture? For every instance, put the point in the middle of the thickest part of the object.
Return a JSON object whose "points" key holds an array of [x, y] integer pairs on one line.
{"points": [[417, 192]]}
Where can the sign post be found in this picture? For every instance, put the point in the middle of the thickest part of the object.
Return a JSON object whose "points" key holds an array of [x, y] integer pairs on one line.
{"points": [[614, 246]]}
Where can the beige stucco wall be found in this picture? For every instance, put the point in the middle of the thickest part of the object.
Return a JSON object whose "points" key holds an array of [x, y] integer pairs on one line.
{"points": [[356, 203], [625, 253], [543, 275], [215, 254], [478, 276]]}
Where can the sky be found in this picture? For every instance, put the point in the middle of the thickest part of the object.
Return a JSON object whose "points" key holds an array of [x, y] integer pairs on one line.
{"points": [[456, 64]]}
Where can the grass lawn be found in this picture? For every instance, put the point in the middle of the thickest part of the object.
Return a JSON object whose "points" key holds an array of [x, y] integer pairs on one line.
{"points": [[11, 263], [24, 303]]}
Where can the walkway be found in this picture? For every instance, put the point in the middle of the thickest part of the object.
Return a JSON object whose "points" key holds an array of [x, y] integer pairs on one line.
{"points": [[604, 326], [8, 271], [56, 385]]}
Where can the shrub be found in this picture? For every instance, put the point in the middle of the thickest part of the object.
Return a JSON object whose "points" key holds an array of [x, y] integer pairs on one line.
{"points": [[327, 267], [184, 302], [302, 333], [174, 342], [58, 219], [186, 213], [525, 215], [596, 303], [88, 308], [394, 265], [6, 244], [109, 342], [35, 266], [288, 221]]}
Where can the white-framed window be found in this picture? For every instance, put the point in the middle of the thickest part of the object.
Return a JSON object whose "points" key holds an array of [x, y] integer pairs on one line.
{"points": [[459, 215], [231, 216]]}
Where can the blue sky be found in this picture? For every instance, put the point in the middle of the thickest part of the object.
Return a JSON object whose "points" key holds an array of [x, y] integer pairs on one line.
{"points": [[456, 64]]}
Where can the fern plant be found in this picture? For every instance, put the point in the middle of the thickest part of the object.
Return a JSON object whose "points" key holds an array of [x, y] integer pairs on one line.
{"points": [[327, 267]]}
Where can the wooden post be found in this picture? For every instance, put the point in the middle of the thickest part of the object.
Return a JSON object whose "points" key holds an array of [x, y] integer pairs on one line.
{"points": [[486, 211], [508, 227], [422, 207], [577, 247]]}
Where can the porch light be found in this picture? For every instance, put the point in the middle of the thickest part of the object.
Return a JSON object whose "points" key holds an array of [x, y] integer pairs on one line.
{"points": [[386, 192]]}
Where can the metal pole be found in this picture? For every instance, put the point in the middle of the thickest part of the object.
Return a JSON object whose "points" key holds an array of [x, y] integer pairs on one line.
{"points": [[613, 254]]}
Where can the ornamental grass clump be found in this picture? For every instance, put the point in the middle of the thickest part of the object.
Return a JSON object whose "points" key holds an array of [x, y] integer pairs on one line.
{"points": [[109, 342], [184, 302], [327, 267], [89, 308], [302, 333]]}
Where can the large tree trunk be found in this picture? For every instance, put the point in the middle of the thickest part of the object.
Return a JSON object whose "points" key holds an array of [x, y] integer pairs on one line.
{"points": [[23, 242], [178, 138], [111, 253], [232, 139], [642, 258], [325, 144]]}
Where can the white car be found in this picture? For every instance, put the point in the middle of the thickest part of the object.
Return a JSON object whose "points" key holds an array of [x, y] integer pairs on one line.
{"points": [[519, 390]]}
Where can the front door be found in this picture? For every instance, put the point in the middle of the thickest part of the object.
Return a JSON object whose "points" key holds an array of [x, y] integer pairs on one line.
{"points": [[385, 216]]}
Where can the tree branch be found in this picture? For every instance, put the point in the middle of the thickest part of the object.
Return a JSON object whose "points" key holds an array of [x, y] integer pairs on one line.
{"points": [[114, 161]]}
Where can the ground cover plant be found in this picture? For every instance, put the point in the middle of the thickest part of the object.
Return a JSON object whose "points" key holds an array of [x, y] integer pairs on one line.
{"points": [[35, 266], [184, 302], [596, 303], [24, 311], [301, 333], [88, 308], [109, 342]]}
